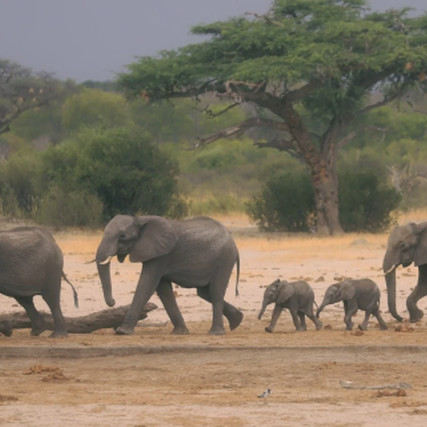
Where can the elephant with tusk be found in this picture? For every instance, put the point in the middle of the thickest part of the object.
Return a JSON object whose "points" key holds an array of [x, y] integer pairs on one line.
{"points": [[195, 253], [406, 244]]}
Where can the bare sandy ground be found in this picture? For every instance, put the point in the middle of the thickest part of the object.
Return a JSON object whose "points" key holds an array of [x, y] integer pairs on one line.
{"points": [[153, 378]]}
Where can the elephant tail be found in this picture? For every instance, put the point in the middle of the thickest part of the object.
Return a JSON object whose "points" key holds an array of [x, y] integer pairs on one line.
{"points": [[237, 274], [76, 297]]}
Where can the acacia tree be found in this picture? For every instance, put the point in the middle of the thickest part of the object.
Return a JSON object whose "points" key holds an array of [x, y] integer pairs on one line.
{"points": [[22, 90], [309, 67]]}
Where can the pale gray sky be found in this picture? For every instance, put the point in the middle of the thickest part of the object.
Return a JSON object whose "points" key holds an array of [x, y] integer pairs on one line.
{"points": [[94, 39]]}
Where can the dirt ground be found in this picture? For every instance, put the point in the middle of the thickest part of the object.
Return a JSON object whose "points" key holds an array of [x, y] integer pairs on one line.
{"points": [[318, 378]]}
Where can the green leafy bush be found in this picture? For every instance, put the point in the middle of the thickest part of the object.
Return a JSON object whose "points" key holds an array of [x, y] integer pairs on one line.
{"points": [[120, 167], [90, 178], [74, 208], [364, 204], [285, 203]]}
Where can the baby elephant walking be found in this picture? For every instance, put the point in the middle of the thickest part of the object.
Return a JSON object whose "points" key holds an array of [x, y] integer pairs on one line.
{"points": [[361, 294], [298, 297]]}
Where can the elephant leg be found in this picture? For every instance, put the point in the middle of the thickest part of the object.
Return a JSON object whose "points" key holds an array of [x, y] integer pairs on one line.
{"points": [[301, 316], [59, 325], [296, 320], [37, 322], [274, 317], [147, 285], [232, 314], [364, 325], [376, 313], [314, 319], [165, 293], [218, 309], [419, 291], [350, 309]]}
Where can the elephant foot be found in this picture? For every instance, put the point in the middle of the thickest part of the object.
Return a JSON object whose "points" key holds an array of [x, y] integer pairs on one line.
{"points": [[362, 327], [36, 332], [180, 331], [415, 317], [319, 326], [121, 330], [6, 328], [217, 331], [56, 334], [268, 329], [235, 320]]}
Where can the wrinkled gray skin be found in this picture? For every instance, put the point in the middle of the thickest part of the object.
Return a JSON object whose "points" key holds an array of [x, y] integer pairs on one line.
{"points": [[362, 294], [31, 264], [196, 253], [298, 297], [406, 244]]}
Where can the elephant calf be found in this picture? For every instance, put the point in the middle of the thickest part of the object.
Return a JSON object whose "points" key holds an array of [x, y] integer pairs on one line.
{"points": [[298, 297], [362, 294]]}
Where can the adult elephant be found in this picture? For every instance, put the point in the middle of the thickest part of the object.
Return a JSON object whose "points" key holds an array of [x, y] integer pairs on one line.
{"points": [[407, 244], [31, 264], [196, 253]]}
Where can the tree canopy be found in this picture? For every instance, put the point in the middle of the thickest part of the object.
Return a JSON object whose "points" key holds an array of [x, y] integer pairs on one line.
{"points": [[22, 90], [311, 68]]}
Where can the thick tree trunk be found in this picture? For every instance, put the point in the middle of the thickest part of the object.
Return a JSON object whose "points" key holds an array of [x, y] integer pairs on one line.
{"points": [[109, 318], [325, 187], [321, 159]]}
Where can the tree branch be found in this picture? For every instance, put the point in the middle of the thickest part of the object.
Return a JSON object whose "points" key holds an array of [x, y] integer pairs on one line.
{"points": [[240, 128]]}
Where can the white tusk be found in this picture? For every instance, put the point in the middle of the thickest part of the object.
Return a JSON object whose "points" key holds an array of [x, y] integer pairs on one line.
{"points": [[106, 261], [390, 269]]}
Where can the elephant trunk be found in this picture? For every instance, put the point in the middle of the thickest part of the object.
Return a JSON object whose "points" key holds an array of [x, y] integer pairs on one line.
{"points": [[390, 279], [264, 306], [321, 307], [104, 275]]}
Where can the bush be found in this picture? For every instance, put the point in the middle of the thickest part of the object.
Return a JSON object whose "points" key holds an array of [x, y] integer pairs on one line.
{"points": [[365, 205], [90, 178], [119, 167], [286, 203], [75, 208], [19, 197]]}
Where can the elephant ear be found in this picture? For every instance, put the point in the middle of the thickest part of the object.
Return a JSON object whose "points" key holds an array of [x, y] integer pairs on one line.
{"points": [[157, 238], [420, 255], [346, 291], [285, 292]]}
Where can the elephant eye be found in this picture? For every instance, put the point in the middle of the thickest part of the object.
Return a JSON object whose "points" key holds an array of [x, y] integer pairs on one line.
{"points": [[403, 246]]}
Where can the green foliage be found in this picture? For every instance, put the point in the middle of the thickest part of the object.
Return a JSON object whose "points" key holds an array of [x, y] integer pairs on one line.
{"points": [[18, 194], [285, 203], [78, 208], [94, 107], [90, 178], [22, 90], [365, 205], [121, 167]]}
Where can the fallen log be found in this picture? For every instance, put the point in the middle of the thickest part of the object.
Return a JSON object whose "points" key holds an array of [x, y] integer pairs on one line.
{"points": [[109, 318]]}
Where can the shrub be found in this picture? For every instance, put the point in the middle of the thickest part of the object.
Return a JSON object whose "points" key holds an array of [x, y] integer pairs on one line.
{"points": [[90, 178], [286, 203], [75, 208], [364, 205], [121, 168]]}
